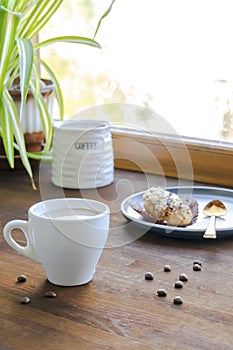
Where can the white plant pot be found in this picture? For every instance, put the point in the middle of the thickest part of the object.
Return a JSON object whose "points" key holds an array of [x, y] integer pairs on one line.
{"points": [[31, 121]]}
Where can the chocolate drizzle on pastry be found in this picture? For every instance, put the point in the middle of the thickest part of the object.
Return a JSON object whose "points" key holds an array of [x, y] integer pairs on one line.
{"points": [[167, 208]]}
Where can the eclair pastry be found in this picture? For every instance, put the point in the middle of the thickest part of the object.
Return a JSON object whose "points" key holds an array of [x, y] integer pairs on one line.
{"points": [[167, 207]]}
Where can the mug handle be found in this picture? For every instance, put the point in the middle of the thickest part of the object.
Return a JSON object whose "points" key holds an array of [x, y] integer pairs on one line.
{"points": [[27, 250]]}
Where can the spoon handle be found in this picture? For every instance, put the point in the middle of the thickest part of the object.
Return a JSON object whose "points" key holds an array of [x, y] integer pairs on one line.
{"points": [[211, 231]]}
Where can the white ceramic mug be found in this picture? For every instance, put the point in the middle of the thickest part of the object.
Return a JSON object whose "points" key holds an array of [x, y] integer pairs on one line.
{"points": [[82, 154], [66, 235]]}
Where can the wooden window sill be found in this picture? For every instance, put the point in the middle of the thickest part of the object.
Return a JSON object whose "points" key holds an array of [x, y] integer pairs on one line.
{"points": [[187, 158]]}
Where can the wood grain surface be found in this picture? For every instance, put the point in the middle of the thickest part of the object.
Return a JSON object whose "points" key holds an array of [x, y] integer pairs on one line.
{"points": [[118, 309]]}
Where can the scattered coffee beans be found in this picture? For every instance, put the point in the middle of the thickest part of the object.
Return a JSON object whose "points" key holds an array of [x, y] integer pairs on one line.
{"points": [[183, 277], [196, 267], [162, 292], [149, 276], [21, 278], [178, 300], [50, 294], [179, 284], [167, 268], [25, 300]]}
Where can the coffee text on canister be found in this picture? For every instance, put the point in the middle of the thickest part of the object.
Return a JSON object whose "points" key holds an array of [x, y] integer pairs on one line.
{"points": [[85, 145]]}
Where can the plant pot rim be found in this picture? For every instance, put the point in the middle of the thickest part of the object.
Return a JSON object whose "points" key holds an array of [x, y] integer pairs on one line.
{"points": [[46, 89]]}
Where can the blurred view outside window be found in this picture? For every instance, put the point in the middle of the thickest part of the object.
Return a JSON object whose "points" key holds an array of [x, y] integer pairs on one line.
{"points": [[173, 57]]}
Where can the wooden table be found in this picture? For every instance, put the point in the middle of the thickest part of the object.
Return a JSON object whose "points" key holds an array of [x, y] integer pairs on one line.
{"points": [[119, 309]]}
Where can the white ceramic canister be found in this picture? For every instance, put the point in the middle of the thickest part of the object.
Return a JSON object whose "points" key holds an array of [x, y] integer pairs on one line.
{"points": [[82, 154]]}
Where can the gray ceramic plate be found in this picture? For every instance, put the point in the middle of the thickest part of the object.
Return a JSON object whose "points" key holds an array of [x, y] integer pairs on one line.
{"points": [[224, 224]]}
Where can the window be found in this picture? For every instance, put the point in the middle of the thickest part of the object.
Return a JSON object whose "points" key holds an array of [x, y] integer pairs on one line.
{"points": [[173, 59]]}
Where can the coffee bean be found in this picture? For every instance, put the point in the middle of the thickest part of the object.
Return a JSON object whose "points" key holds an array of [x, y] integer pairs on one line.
{"points": [[25, 300], [197, 262], [178, 300], [162, 292], [179, 284], [149, 276], [196, 267], [167, 268], [21, 278], [183, 277], [50, 294]]}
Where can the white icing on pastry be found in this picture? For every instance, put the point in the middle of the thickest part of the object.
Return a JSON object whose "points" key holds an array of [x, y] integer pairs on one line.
{"points": [[167, 207]]}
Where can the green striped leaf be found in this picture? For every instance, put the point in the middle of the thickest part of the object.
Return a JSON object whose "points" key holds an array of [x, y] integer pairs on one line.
{"points": [[18, 134], [7, 133], [26, 56], [37, 15], [69, 39], [106, 13], [8, 26]]}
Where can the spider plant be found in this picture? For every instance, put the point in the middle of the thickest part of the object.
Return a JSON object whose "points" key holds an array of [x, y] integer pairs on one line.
{"points": [[20, 23]]}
